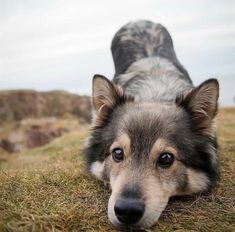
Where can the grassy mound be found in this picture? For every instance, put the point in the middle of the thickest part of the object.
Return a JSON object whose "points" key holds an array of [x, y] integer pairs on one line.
{"points": [[47, 189], [16, 105]]}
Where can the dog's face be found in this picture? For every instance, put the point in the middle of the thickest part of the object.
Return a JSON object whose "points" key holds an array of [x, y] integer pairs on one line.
{"points": [[151, 151]]}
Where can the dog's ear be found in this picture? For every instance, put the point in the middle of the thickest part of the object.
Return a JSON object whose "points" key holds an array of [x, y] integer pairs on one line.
{"points": [[105, 95], [201, 103]]}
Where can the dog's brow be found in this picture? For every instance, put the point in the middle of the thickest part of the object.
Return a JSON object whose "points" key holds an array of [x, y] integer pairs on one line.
{"points": [[124, 142], [162, 145]]}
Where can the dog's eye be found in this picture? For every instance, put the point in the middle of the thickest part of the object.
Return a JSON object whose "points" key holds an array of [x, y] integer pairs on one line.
{"points": [[165, 160], [118, 154]]}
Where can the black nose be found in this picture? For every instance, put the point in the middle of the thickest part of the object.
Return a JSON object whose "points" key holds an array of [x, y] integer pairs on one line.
{"points": [[129, 210]]}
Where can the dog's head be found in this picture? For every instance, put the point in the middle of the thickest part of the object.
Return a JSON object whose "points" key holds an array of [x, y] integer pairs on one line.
{"points": [[151, 151]]}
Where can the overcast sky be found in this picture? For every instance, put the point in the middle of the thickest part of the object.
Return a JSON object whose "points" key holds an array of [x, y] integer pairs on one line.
{"points": [[55, 44]]}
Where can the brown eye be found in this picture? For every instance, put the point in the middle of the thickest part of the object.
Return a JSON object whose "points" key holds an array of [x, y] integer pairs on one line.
{"points": [[118, 154], [165, 160]]}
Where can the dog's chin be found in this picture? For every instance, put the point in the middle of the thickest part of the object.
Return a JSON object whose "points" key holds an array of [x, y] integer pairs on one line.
{"points": [[150, 218], [152, 213]]}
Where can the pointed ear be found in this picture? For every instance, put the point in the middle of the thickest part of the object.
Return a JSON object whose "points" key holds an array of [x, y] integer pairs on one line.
{"points": [[105, 94], [201, 103]]}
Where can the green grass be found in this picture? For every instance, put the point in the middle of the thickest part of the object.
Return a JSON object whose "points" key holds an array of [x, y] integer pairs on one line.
{"points": [[48, 189]]}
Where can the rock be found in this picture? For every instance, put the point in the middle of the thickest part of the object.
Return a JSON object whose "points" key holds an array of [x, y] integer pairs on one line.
{"points": [[9, 146], [36, 137]]}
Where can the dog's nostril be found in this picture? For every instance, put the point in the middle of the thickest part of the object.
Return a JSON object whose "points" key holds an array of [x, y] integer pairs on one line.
{"points": [[128, 210]]}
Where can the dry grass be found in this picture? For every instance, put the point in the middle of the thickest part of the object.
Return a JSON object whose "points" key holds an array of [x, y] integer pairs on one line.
{"points": [[46, 189]]}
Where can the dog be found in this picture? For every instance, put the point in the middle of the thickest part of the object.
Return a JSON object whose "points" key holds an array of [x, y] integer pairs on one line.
{"points": [[153, 134]]}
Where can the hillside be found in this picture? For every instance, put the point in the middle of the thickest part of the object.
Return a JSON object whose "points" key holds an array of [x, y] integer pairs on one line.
{"points": [[47, 189], [16, 105]]}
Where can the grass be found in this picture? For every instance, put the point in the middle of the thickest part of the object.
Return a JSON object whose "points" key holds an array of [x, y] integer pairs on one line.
{"points": [[47, 189]]}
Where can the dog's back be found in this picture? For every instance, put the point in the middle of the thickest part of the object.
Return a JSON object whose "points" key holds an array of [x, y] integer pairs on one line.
{"points": [[146, 65]]}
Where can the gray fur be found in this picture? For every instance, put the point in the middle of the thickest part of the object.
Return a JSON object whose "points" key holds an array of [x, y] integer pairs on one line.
{"points": [[154, 79]]}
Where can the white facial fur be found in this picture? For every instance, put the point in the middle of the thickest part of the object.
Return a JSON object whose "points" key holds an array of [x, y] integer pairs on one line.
{"points": [[97, 169], [197, 181]]}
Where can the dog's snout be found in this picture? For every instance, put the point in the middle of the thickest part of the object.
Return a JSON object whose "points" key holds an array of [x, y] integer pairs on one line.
{"points": [[128, 210]]}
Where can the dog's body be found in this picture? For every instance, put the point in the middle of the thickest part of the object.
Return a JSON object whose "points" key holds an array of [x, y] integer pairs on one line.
{"points": [[145, 63], [153, 135]]}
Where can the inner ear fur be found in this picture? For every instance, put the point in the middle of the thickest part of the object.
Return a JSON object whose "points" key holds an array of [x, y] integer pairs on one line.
{"points": [[105, 96], [201, 103]]}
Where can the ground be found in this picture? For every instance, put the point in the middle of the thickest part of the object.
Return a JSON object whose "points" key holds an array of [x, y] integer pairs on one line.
{"points": [[48, 189]]}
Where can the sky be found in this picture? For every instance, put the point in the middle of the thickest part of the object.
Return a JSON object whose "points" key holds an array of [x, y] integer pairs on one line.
{"points": [[59, 44]]}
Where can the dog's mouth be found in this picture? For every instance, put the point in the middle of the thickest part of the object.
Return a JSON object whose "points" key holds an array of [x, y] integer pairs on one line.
{"points": [[132, 228]]}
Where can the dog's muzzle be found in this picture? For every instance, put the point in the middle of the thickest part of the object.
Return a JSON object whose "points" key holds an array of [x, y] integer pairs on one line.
{"points": [[128, 210]]}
